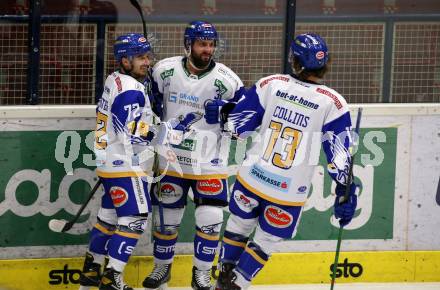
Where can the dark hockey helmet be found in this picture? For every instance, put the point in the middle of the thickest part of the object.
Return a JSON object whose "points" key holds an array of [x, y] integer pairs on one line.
{"points": [[310, 50], [131, 44], [199, 30]]}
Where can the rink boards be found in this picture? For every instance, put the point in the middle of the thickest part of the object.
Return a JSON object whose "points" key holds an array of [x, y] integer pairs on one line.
{"points": [[283, 268], [393, 237]]}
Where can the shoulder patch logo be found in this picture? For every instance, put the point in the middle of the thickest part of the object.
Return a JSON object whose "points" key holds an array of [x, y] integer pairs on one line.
{"points": [[266, 81], [118, 84], [221, 88], [167, 73], [332, 96]]}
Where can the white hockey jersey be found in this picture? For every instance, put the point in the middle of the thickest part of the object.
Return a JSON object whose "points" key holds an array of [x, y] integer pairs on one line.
{"points": [[200, 155], [293, 117], [123, 119]]}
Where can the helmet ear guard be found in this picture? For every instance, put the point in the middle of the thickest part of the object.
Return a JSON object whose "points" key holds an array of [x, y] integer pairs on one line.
{"points": [[310, 50], [129, 45]]}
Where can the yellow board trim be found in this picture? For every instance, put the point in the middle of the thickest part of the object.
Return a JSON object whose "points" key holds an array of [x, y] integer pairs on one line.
{"points": [[282, 268], [120, 174], [164, 237], [194, 176], [266, 197], [207, 237], [234, 243]]}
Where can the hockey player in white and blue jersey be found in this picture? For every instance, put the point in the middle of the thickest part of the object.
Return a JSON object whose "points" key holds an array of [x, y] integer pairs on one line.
{"points": [[291, 113], [124, 156], [183, 84]]}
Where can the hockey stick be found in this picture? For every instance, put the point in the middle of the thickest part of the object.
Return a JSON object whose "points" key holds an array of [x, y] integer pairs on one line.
{"points": [[344, 199], [156, 172], [61, 226], [136, 5]]}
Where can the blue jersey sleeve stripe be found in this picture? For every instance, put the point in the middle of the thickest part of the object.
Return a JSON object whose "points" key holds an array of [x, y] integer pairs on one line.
{"points": [[339, 124], [238, 94], [248, 113]]}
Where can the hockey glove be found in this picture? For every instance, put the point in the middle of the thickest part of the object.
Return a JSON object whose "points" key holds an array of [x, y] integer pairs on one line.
{"points": [[172, 132], [184, 124], [345, 209], [212, 111]]}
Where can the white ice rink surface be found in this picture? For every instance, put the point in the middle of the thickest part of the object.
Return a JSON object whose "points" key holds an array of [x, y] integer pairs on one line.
{"points": [[356, 286]]}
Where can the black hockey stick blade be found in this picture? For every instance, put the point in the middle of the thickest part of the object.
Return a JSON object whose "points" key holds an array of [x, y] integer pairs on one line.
{"points": [[138, 7], [61, 226]]}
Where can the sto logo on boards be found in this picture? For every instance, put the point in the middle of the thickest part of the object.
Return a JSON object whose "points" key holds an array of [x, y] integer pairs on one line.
{"points": [[64, 276], [347, 269]]}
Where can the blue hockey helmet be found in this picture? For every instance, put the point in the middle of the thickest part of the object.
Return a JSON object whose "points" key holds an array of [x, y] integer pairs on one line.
{"points": [[310, 50], [131, 44], [199, 30]]}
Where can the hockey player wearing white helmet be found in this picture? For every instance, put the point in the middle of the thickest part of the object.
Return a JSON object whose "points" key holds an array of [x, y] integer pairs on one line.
{"points": [[273, 182], [183, 85]]}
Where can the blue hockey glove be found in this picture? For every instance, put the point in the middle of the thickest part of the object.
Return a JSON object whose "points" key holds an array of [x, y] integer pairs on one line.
{"points": [[184, 124], [212, 111], [345, 209]]}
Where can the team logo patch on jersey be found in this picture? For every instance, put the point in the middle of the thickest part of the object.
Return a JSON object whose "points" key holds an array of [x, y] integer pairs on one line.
{"points": [[217, 162], [277, 217], [245, 203], [137, 226], [117, 163], [170, 192], [119, 196], [210, 186], [221, 88], [302, 189]]}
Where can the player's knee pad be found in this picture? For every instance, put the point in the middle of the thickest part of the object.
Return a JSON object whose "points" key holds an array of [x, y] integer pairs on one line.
{"points": [[132, 224], [209, 219], [267, 242], [240, 225], [108, 216], [171, 218]]}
